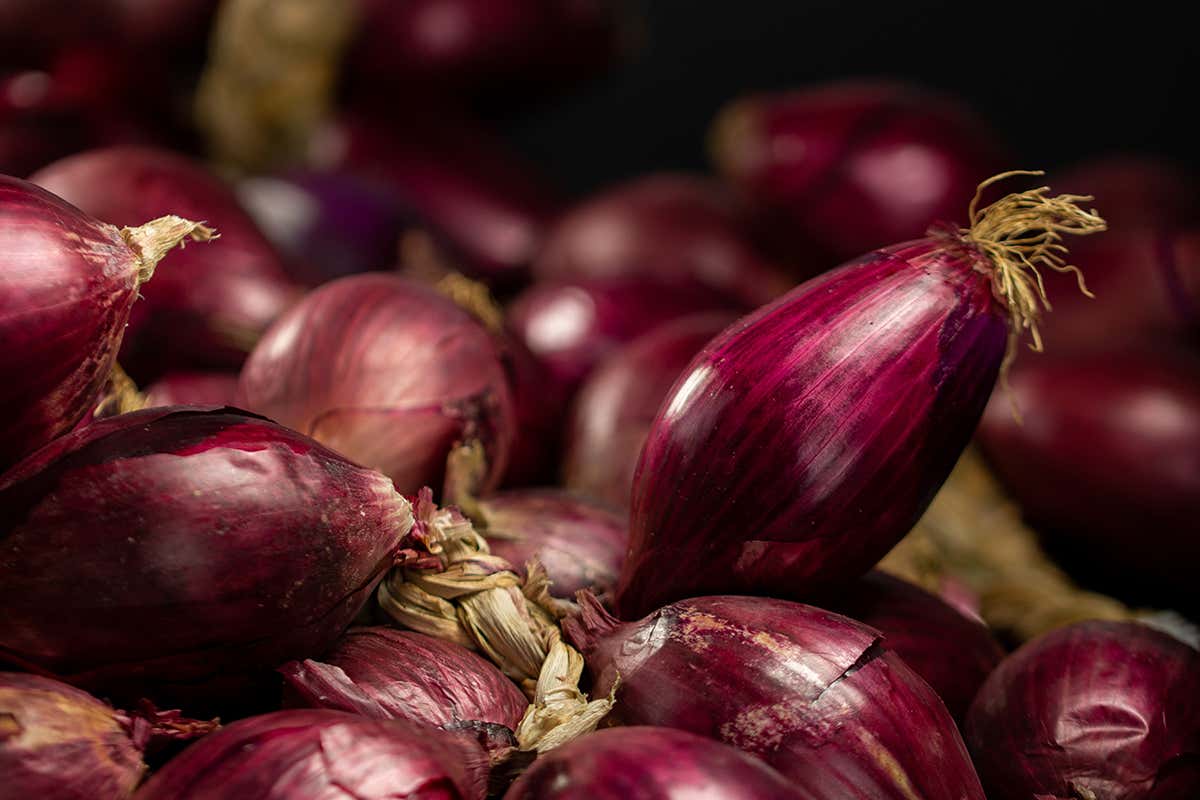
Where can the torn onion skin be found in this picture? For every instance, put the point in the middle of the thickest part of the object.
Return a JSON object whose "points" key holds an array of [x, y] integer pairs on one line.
{"points": [[1097, 709], [193, 389], [207, 546], [814, 694], [649, 763], [321, 755]]}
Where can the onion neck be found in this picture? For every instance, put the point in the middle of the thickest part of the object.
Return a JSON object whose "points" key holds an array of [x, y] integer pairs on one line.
{"points": [[158, 237]]}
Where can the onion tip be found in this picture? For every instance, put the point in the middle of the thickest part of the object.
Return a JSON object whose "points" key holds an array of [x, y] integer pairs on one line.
{"points": [[159, 236]]}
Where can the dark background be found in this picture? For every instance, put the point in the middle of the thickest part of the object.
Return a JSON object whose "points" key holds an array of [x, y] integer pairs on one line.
{"points": [[1060, 81]]}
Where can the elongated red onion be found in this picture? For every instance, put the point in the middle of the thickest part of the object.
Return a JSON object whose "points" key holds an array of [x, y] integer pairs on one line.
{"points": [[323, 755], [388, 372], [384, 673], [67, 284], [674, 227], [855, 165], [1097, 709], [208, 309], [205, 548], [193, 389], [649, 763], [802, 443], [812, 693], [1107, 461], [952, 652], [580, 542], [616, 405], [60, 743]]}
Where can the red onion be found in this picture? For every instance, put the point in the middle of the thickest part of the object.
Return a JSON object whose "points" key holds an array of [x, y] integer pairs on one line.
{"points": [[1097, 709], [67, 283], [388, 372], [192, 389], [59, 743], [384, 673], [539, 404], [649, 764], [580, 543], [207, 309], [670, 226], [855, 165], [801, 444], [206, 547], [616, 405], [952, 652], [812, 693], [323, 755], [1107, 458]]}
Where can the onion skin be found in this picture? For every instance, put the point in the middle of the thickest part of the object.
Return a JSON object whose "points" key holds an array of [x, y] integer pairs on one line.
{"points": [[646, 763], [579, 542], [1107, 461], [192, 389], [388, 372], [802, 443], [674, 227], [812, 693], [1111, 708], [855, 165], [616, 405], [198, 500], [384, 673], [952, 652], [539, 404], [323, 755], [208, 304]]}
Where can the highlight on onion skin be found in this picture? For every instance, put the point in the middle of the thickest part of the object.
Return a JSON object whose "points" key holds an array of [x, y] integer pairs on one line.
{"points": [[319, 754], [192, 389], [814, 694], [1096, 709], [855, 165], [615, 407], [669, 226], [650, 763], [208, 305], [253, 545], [388, 372]]}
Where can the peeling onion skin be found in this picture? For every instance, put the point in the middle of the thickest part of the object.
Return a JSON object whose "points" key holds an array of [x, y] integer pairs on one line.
{"points": [[389, 373], [323, 755], [802, 443], [1107, 707], [193, 389], [812, 693], [647, 763], [384, 673], [580, 542], [207, 547]]}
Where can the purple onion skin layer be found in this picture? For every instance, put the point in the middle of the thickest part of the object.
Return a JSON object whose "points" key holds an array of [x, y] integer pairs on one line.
{"points": [[807, 439], [1110, 708], [193, 389], [812, 693], [615, 407], [647, 763], [206, 305], [206, 547], [323, 755], [580, 542], [951, 652], [67, 284], [388, 372], [384, 673]]}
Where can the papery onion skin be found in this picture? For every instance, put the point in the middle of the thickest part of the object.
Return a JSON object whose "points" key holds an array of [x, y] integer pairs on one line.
{"points": [[207, 305], [193, 389], [206, 547], [616, 405], [1110, 708], [674, 227], [812, 693], [801, 444], [580, 542], [323, 755], [388, 372], [648, 763], [384, 673]]}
